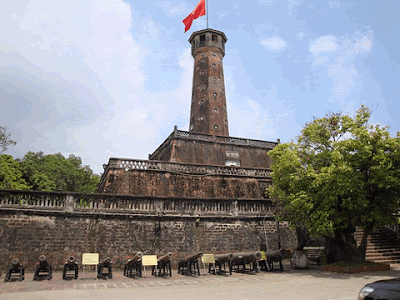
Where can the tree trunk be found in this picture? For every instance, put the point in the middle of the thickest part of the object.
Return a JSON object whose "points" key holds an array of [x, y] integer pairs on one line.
{"points": [[363, 245], [303, 237], [342, 246]]}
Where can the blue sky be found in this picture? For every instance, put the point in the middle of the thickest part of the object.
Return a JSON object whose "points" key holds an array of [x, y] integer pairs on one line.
{"points": [[102, 79]]}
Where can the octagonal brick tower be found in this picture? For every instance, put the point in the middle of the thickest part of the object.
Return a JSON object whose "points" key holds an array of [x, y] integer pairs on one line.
{"points": [[208, 112]]}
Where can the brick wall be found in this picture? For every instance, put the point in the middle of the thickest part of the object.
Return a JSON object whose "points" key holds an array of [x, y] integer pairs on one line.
{"points": [[171, 184], [206, 149], [59, 225], [28, 235]]}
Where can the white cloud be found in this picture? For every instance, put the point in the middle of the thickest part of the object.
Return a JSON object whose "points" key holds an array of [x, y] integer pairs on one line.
{"points": [[326, 43], [265, 2], [69, 63], [300, 35], [171, 9], [292, 4], [185, 88], [251, 120], [274, 43], [322, 48], [334, 4], [337, 56]]}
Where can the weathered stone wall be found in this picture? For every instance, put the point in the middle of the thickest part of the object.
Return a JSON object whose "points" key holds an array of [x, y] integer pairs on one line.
{"points": [[206, 149], [28, 235], [60, 224], [173, 184], [209, 153]]}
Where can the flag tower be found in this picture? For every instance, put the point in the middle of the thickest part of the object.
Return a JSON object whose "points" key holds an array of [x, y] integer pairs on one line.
{"points": [[208, 112]]}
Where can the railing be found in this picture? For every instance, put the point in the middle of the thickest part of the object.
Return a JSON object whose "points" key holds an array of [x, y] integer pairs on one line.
{"points": [[30, 199], [394, 227], [214, 138], [137, 164], [224, 139], [133, 205]]}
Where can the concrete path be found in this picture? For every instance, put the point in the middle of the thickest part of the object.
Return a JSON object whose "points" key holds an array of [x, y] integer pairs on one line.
{"points": [[290, 284]]}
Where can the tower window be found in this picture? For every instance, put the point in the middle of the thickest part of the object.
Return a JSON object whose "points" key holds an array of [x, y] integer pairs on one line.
{"points": [[202, 72], [216, 126], [215, 94], [215, 110], [201, 101], [214, 65], [202, 38], [214, 37]]}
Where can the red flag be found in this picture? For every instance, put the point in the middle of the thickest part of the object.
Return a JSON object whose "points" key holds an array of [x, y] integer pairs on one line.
{"points": [[199, 11]]}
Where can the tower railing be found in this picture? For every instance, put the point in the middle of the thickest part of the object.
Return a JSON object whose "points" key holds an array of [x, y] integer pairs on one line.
{"points": [[149, 206], [186, 168], [215, 138]]}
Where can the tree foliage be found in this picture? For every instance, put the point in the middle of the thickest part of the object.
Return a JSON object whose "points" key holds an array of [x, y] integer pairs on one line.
{"points": [[340, 174], [52, 172], [5, 139], [10, 174]]}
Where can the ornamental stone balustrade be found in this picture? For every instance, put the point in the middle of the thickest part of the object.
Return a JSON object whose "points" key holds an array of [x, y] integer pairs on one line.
{"points": [[134, 205], [138, 164]]}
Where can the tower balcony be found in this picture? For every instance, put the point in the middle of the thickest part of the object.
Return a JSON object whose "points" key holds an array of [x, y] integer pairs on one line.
{"points": [[208, 38]]}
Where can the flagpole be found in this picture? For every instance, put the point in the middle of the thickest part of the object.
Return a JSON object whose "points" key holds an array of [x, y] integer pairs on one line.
{"points": [[207, 12]]}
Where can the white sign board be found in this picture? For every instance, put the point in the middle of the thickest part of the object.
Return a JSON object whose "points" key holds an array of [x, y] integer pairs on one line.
{"points": [[90, 258], [149, 260], [208, 259]]}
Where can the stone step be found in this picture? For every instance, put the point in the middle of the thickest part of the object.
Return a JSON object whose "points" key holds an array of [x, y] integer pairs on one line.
{"points": [[380, 258], [383, 254], [386, 254], [383, 244], [375, 235], [382, 239], [379, 239], [381, 247], [385, 250], [385, 261], [377, 255]]}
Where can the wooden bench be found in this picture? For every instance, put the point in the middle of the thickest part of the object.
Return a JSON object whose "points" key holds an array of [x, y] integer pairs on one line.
{"points": [[315, 254]]}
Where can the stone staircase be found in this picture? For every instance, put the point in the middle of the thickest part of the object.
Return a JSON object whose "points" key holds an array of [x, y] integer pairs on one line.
{"points": [[383, 246]]}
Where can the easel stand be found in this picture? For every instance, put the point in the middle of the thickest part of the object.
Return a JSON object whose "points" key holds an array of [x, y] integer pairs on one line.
{"points": [[89, 259], [83, 275]]}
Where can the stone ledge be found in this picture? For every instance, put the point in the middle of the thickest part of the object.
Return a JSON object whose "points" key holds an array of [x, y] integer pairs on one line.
{"points": [[355, 269], [133, 216]]}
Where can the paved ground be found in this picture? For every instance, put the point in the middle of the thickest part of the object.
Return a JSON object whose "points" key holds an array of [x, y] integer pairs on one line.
{"points": [[290, 284]]}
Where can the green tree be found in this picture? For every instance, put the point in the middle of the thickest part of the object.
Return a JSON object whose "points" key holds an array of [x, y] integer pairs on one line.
{"points": [[54, 172], [5, 139], [342, 173], [10, 174]]}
